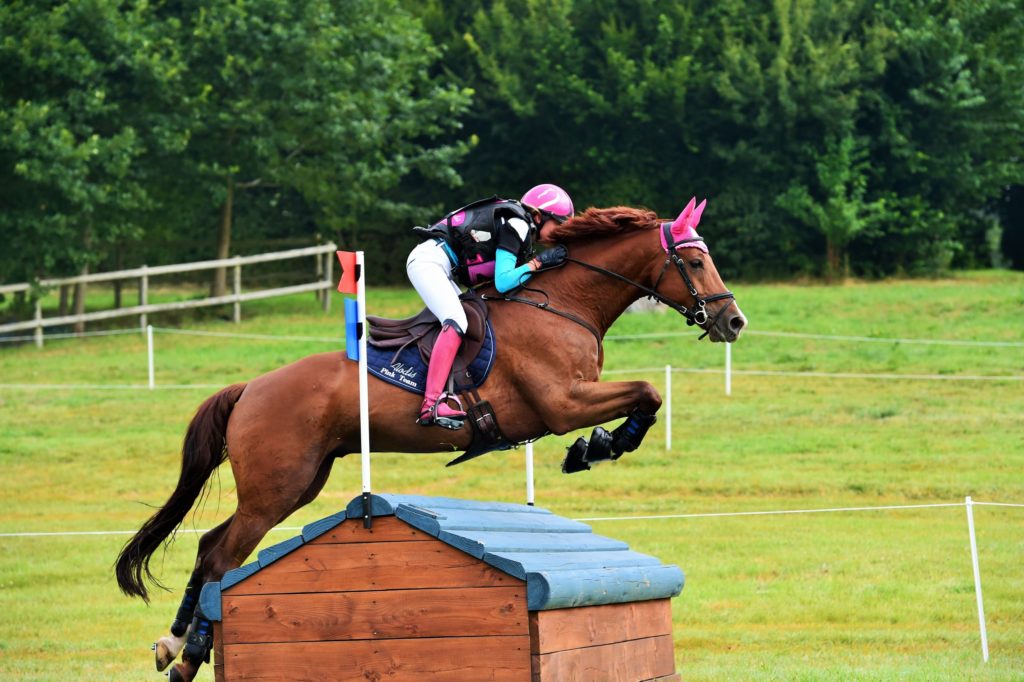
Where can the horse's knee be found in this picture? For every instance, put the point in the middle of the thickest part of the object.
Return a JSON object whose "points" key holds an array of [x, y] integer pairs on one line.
{"points": [[649, 399], [559, 426]]}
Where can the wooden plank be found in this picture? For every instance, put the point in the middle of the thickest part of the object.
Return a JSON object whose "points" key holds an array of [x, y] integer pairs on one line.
{"points": [[559, 589], [456, 659], [385, 504], [361, 566], [632, 661], [385, 529], [563, 629], [480, 542], [394, 614], [519, 564], [218, 653], [267, 556], [455, 520]]}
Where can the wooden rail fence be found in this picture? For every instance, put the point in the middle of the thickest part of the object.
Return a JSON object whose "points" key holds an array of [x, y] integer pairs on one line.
{"points": [[322, 284]]}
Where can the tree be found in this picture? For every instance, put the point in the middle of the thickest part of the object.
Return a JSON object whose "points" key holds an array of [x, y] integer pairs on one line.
{"points": [[78, 115], [946, 124], [328, 102], [878, 134]]}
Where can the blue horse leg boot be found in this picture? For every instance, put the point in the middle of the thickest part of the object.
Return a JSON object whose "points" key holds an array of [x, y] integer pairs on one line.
{"points": [[581, 454], [199, 642], [188, 605], [630, 433]]}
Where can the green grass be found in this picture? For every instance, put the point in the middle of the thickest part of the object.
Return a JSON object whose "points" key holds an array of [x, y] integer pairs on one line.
{"points": [[850, 595]]}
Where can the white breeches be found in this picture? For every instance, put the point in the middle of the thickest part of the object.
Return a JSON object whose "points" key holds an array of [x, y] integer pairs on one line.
{"points": [[430, 271]]}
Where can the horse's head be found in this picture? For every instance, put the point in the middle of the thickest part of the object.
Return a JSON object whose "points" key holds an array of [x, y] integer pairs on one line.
{"points": [[679, 272], [705, 300]]}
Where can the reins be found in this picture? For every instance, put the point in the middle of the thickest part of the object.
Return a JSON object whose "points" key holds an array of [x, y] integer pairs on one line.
{"points": [[698, 316], [547, 306]]}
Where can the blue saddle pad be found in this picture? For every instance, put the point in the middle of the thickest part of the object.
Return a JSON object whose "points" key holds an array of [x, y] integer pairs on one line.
{"points": [[408, 370]]}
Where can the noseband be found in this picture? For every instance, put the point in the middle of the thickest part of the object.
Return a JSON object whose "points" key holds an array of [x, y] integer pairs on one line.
{"points": [[699, 315]]}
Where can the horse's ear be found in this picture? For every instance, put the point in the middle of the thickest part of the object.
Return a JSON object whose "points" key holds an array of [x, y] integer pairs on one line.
{"points": [[679, 224], [697, 212], [688, 219]]}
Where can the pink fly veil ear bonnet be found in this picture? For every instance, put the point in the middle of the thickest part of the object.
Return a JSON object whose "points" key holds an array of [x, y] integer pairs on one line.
{"points": [[684, 227]]}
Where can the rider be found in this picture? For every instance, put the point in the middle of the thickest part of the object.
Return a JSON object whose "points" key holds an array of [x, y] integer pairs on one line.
{"points": [[490, 239]]}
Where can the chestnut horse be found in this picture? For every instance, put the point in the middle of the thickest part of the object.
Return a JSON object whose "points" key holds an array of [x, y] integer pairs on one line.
{"points": [[282, 431]]}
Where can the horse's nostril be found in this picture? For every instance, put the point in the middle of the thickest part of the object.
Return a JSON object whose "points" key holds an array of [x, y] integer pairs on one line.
{"points": [[737, 323]]}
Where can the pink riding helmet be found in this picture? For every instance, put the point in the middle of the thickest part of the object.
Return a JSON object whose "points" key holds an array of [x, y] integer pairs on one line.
{"points": [[551, 200]]}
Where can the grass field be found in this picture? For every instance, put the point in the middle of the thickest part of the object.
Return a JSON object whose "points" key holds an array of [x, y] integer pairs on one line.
{"points": [[869, 595]]}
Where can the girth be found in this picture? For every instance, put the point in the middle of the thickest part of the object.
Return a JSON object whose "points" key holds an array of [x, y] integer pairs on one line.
{"points": [[423, 328]]}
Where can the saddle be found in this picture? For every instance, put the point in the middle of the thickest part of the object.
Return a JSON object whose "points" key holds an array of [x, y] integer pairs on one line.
{"points": [[422, 331], [423, 328]]}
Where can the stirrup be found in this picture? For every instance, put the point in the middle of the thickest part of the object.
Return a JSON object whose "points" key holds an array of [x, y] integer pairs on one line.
{"points": [[453, 421]]}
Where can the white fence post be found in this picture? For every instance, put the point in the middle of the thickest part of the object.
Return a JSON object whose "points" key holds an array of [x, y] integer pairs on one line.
{"points": [[318, 264], [39, 319], [329, 278], [529, 474], [149, 355], [143, 295], [728, 368], [977, 578], [236, 314], [668, 407]]}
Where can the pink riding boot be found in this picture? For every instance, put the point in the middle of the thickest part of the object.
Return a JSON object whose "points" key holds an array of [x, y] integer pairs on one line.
{"points": [[435, 410]]}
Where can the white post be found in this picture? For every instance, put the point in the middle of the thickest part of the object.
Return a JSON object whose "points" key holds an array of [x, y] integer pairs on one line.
{"points": [[39, 321], [529, 474], [364, 404], [668, 407], [149, 354], [728, 368], [236, 313], [318, 263], [977, 578], [143, 295], [329, 278]]}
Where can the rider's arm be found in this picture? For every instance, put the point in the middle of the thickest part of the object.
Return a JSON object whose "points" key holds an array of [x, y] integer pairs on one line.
{"points": [[506, 275]]}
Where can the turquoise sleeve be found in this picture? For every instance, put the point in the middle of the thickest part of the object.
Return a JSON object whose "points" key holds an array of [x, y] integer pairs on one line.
{"points": [[506, 275]]}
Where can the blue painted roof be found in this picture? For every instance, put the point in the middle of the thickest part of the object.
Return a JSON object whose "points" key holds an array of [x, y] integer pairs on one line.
{"points": [[562, 561]]}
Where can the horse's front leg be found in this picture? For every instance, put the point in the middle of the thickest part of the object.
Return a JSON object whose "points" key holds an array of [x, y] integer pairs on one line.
{"points": [[588, 403]]}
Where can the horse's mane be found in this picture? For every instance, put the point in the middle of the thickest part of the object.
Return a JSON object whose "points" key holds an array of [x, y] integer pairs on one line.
{"points": [[602, 222]]}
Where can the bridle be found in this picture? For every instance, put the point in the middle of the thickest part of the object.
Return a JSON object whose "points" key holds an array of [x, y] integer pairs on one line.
{"points": [[698, 316]]}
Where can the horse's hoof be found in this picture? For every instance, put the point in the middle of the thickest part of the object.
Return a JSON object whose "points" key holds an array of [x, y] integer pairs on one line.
{"points": [[181, 673], [164, 654]]}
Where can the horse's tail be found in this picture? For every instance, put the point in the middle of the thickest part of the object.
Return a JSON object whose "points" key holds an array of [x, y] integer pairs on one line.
{"points": [[202, 452]]}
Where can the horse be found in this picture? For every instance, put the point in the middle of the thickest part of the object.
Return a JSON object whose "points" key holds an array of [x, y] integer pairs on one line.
{"points": [[282, 431]]}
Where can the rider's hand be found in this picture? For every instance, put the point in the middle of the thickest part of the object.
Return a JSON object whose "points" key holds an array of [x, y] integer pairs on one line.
{"points": [[553, 257]]}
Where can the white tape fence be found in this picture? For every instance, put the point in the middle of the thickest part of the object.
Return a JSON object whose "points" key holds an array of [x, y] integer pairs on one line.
{"points": [[968, 504]]}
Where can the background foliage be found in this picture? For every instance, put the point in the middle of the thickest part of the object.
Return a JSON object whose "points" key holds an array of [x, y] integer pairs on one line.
{"points": [[852, 137]]}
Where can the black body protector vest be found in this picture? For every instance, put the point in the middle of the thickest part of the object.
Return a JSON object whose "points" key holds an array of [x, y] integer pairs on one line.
{"points": [[471, 232]]}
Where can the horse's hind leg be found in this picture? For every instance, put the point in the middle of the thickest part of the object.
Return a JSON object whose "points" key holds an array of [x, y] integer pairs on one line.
{"points": [[168, 647], [243, 533]]}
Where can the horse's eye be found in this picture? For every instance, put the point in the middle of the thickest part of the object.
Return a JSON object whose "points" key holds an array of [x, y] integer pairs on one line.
{"points": [[697, 264]]}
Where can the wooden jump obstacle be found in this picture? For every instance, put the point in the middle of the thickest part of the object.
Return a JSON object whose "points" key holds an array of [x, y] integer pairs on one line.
{"points": [[445, 589]]}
